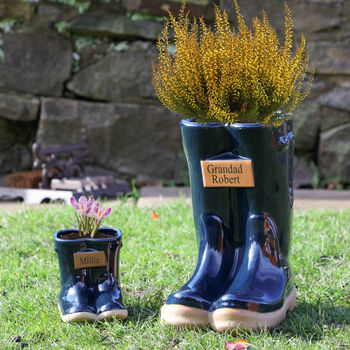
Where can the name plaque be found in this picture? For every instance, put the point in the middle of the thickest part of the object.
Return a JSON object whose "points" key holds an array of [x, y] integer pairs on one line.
{"points": [[227, 173], [89, 259]]}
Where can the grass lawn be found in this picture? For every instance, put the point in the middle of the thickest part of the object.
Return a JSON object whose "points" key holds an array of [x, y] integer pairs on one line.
{"points": [[157, 257]]}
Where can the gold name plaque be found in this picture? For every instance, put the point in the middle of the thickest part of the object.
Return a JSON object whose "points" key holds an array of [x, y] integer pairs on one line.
{"points": [[227, 173], [89, 259]]}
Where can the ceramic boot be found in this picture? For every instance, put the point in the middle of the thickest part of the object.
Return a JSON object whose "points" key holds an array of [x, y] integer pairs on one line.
{"points": [[89, 276], [76, 301], [217, 229], [105, 285], [262, 289]]}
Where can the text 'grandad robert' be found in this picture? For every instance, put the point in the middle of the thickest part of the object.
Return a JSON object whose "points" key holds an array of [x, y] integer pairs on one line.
{"points": [[216, 170], [227, 173]]}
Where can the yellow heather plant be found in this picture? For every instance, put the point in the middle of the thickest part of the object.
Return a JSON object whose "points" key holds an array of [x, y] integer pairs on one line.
{"points": [[227, 75]]}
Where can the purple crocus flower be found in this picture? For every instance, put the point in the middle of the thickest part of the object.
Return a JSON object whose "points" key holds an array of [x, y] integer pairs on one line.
{"points": [[82, 206], [93, 210], [74, 203], [88, 214], [89, 204], [101, 213]]}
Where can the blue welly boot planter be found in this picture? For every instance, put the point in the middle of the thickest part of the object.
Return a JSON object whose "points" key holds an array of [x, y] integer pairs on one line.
{"points": [[242, 193], [89, 275]]}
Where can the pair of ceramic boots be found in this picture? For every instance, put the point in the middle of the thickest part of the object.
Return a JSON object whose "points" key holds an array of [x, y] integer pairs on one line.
{"points": [[242, 278], [89, 276]]}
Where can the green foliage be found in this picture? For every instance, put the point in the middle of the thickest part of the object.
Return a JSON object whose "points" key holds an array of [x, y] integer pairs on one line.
{"points": [[135, 191], [81, 5], [119, 46], [315, 177], [138, 16], [157, 257], [2, 54], [132, 196], [82, 41], [61, 27], [7, 24]]}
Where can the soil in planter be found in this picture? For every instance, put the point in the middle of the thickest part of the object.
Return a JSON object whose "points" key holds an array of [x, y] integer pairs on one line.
{"points": [[75, 235]]}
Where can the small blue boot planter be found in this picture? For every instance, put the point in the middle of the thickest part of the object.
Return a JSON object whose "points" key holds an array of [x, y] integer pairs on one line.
{"points": [[242, 193], [89, 275]]}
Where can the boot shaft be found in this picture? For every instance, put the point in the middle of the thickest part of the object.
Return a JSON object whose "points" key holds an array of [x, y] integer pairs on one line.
{"points": [[107, 249], [271, 151]]}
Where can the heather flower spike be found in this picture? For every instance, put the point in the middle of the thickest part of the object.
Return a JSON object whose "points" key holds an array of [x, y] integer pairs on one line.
{"points": [[229, 75], [89, 215]]}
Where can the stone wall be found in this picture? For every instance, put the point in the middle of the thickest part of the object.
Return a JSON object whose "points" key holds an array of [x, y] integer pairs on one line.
{"points": [[85, 69]]}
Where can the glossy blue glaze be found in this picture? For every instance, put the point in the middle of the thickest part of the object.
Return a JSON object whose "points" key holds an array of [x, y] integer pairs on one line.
{"points": [[94, 289], [243, 234]]}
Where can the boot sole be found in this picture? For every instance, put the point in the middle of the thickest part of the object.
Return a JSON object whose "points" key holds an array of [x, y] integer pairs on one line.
{"points": [[79, 317], [119, 314], [183, 316], [90, 317], [230, 319]]}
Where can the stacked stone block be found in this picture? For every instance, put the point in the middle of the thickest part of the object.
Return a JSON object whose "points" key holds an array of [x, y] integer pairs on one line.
{"points": [[66, 72]]}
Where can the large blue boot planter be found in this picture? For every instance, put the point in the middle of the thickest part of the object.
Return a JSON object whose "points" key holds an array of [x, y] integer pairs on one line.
{"points": [[232, 81], [242, 193], [89, 275]]}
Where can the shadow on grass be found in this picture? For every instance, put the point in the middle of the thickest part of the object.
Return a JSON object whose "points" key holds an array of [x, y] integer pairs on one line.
{"points": [[145, 306], [141, 313], [315, 320], [307, 321]]}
